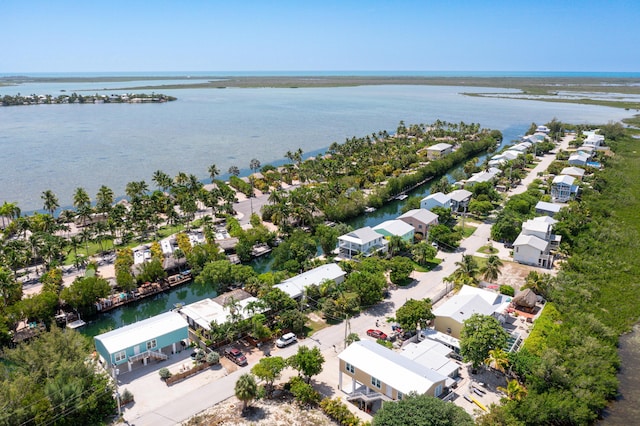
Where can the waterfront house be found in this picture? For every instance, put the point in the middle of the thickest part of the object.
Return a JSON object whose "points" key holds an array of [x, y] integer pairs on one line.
{"points": [[435, 200], [421, 220], [450, 316], [488, 175], [396, 228], [153, 338], [295, 286], [438, 150], [371, 372], [459, 199], [364, 241], [543, 129], [542, 227], [563, 188], [592, 139]]}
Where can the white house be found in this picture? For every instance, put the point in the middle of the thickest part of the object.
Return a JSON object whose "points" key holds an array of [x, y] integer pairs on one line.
{"points": [[542, 129], [396, 228], [563, 188], [433, 355], [459, 199], [542, 227], [375, 372], [435, 200], [202, 313], [483, 176], [420, 219], [438, 150], [295, 286], [449, 316], [593, 139], [576, 172], [531, 250], [542, 207], [579, 158], [364, 241]]}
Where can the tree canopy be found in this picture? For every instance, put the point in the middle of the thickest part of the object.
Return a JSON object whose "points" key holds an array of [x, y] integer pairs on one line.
{"points": [[481, 334], [421, 410]]}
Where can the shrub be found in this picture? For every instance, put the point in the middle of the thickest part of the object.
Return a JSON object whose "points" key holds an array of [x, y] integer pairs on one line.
{"points": [[164, 373], [213, 358], [126, 396], [507, 289], [338, 411], [303, 392]]}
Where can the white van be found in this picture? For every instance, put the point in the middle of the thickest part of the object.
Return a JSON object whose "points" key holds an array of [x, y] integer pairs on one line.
{"points": [[286, 340]]}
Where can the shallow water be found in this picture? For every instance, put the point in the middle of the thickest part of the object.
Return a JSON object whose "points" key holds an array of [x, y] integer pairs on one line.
{"points": [[62, 147]]}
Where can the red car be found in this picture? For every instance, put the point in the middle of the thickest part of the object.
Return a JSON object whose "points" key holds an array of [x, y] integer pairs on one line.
{"points": [[236, 356], [377, 334]]}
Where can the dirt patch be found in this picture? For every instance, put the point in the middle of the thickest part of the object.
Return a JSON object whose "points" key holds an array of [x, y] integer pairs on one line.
{"points": [[261, 413], [514, 274]]}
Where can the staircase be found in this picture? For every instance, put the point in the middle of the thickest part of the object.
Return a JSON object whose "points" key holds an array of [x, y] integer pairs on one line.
{"points": [[367, 397]]}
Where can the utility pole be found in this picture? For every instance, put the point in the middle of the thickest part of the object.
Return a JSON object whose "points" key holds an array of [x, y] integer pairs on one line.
{"points": [[115, 381]]}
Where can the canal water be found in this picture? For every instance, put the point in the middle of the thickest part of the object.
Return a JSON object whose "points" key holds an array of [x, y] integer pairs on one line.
{"points": [[192, 292]]}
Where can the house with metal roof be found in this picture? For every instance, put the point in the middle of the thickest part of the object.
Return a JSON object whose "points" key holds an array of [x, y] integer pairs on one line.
{"points": [[542, 227], [433, 355], [550, 209], [364, 241], [483, 176], [295, 286], [531, 250], [370, 371], [576, 172], [395, 227], [438, 150], [580, 158], [421, 220], [202, 313], [459, 199], [450, 316], [437, 199], [154, 338], [563, 188]]}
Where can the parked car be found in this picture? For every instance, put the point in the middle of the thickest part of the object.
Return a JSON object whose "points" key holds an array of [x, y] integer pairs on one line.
{"points": [[376, 334], [236, 356], [286, 340]]}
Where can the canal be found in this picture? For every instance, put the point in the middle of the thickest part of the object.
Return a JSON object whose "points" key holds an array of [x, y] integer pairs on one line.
{"points": [[192, 292]]}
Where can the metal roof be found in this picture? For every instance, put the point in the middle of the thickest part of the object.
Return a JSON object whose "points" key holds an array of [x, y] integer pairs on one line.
{"points": [[295, 286], [395, 227], [531, 240], [423, 215], [142, 331]]}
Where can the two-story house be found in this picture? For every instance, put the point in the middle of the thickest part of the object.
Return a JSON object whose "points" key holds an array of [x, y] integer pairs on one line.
{"points": [[364, 241]]}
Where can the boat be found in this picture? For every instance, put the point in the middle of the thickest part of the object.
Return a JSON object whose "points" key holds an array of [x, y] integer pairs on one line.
{"points": [[402, 197], [370, 210]]}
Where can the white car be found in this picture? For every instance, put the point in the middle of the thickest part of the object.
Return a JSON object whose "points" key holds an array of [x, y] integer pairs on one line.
{"points": [[286, 340]]}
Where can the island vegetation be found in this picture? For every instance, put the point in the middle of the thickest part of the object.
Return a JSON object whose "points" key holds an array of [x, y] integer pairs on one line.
{"points": [[75, 98]]}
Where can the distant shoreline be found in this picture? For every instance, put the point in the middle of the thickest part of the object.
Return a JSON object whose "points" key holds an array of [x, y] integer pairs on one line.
{"points": [[543, 88]]}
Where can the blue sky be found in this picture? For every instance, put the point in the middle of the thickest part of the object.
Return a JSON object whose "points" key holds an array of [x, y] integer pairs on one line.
{"points": [[248, 35]]}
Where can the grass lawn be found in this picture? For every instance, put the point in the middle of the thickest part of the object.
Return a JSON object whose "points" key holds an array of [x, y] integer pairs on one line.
{"points": [[488, 249], [467, 231], [428, 267], [315, 324]]}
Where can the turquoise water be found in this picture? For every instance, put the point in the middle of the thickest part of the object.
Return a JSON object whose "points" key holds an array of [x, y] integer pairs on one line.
{"points": [[62, 147]]}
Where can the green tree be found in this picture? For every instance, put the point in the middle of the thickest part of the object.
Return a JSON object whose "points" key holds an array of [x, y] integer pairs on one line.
{"points": [[491, 270], [368, 286], [269, 369], [308, 362], [414, 313], [481, 334], [422, 252], [50, 201], [246, 390], [401, 269], [421, 410], [84, 292], [498, 360]]}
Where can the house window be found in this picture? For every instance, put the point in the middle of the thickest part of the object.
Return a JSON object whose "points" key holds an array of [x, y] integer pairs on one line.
{"points": [[151, 344], [375, 382], [120, 356], [419, 226], [400, 395], [350, 368], [438, 390]]}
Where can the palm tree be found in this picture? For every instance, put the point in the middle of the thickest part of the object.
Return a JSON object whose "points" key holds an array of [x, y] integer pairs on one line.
{"points": [[497, 360], [234, 170], [50, 201], [396, 245], [514, 390], [491, 269], [162, 180], [467, 271], [254, 165], [81, 198], [246, 389], [104, 199], [213, 172], [9, 210]]}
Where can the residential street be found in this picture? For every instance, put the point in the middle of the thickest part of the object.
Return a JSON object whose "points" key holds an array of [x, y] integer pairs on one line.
{"points": [[331, 339]]}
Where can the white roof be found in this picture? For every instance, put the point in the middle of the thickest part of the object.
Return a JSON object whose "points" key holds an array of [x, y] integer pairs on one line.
{"points": [[431, 354], [439, 197], [530, 240], [460, 195], [439, 147], [579, 155], [443, 338], [535, 226], [142, 331], [391, 368], [395, 227], [490, 297], [361, 236], [545, 219], [483, 176], [295, 286], [423, 215], [564, 179], [572, 171], [205, 311], [469, 301], [548, 207], [511, 155]]}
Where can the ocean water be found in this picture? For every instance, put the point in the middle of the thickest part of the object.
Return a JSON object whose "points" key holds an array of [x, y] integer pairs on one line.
{"points": [[62, 147]]}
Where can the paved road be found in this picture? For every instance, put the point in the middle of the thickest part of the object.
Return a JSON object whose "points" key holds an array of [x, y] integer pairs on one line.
{"points": [[330, 340]]}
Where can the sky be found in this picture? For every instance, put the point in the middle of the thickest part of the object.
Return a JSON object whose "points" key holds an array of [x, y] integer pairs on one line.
{"points": [[328, 35]]}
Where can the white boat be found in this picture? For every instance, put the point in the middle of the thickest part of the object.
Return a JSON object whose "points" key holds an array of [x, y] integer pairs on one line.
{"points": [[370, 210], [402, 197]]}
